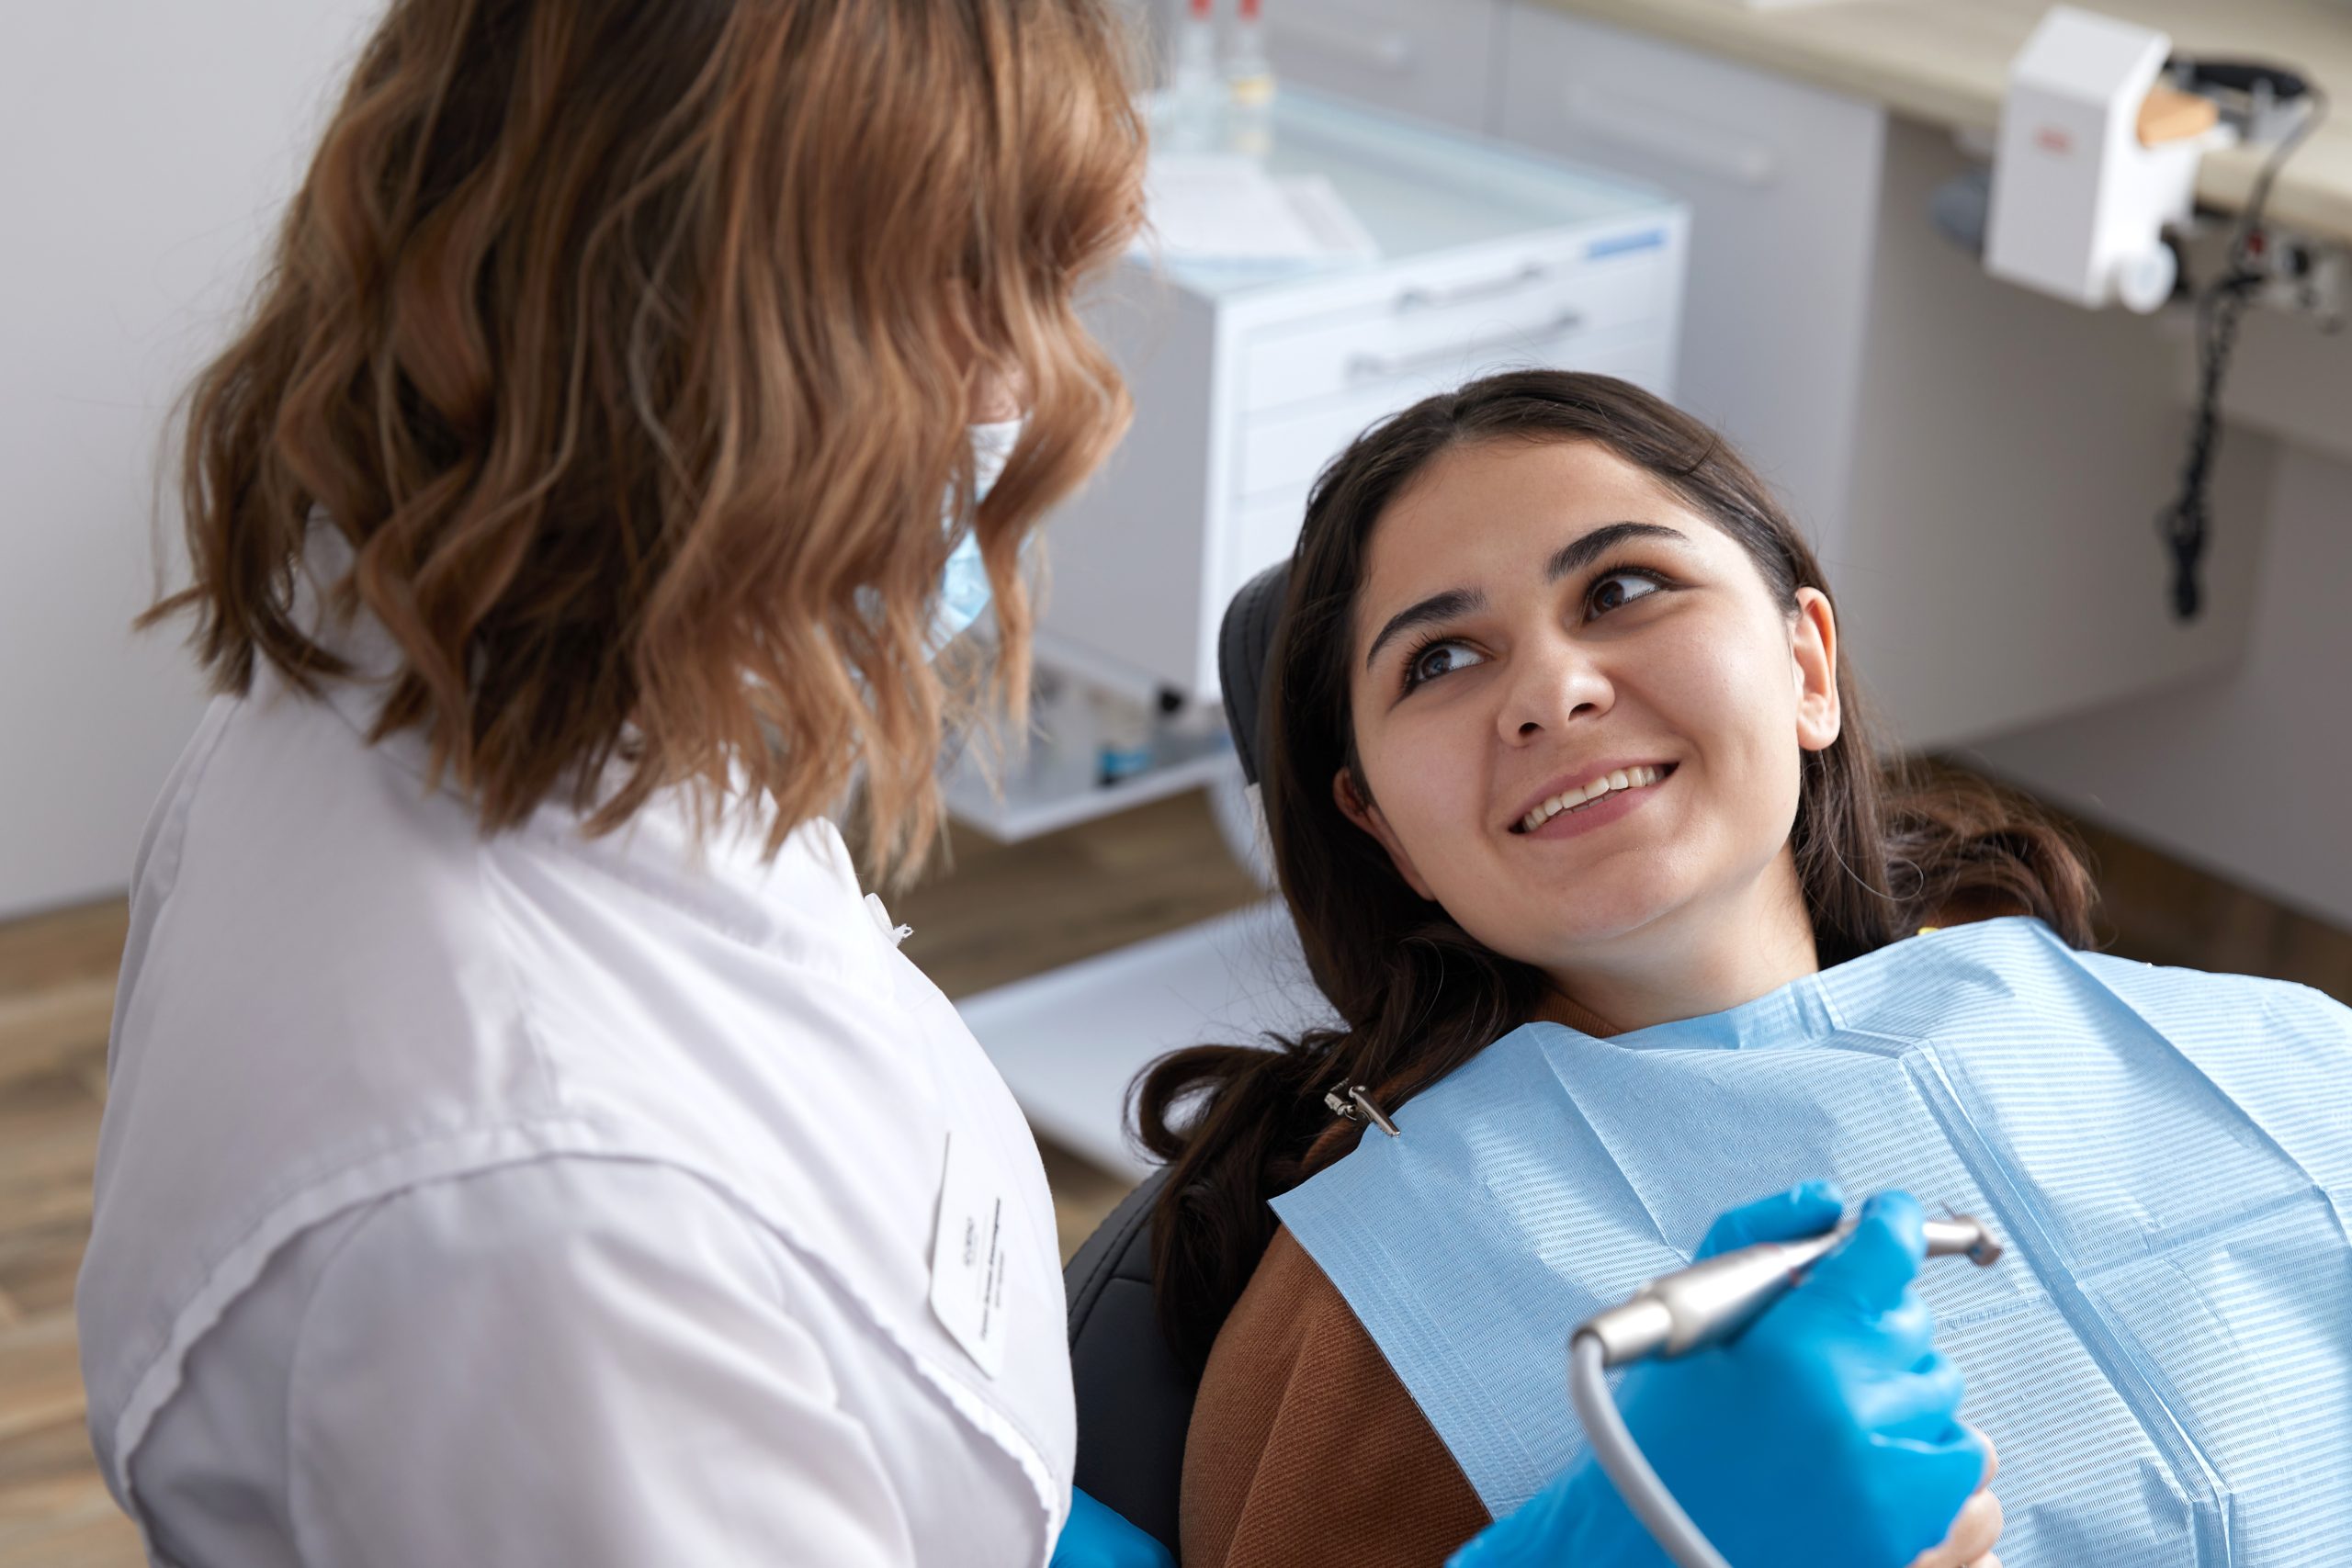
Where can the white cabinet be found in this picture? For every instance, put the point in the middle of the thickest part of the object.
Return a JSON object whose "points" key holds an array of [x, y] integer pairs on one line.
{"points": [[1433, 59], [1247, 382], [1783, 181], [1540, 298]]}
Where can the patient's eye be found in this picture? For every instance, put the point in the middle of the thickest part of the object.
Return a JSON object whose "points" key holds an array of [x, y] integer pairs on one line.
{"points": [[1436, 658], [1603, 599]]}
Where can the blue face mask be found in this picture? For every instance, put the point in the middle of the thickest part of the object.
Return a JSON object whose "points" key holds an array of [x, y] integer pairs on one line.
{"points": [[963, 591]]}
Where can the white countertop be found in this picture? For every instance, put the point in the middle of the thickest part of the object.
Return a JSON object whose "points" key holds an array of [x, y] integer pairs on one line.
{"points": [[1946, 62]]}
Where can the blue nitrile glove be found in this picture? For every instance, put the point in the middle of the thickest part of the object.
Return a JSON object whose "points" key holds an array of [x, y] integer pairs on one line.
{"points": [[1097, 1537], [1825, 1434]]}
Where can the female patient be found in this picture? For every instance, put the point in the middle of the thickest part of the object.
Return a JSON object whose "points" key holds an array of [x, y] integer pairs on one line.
{"points": [[1616, 781]]}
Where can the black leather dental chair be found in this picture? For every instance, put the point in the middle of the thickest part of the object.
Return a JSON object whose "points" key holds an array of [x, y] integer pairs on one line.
{"points": [[1134, 1399]]}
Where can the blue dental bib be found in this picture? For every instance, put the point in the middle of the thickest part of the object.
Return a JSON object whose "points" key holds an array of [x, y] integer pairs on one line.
{"points": [[2164, 1356]]}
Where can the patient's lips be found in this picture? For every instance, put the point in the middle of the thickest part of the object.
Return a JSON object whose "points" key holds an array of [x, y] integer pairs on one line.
{"points": [[1600, 796]]}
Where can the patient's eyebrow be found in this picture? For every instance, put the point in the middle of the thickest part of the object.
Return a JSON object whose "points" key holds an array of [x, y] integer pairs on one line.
{"points": [[1582, 552], [1568, 560], [1442, 607]]}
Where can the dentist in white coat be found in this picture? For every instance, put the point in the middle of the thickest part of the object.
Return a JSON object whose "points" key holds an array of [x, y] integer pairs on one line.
{"points": [[525, 1144]]}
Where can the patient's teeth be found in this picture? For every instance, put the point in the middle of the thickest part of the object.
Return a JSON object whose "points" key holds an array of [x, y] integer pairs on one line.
{"points": [[1569, 800]]}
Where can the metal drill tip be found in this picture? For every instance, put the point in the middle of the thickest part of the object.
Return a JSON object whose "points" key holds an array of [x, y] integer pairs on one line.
{"points": [[1957, 1236]]}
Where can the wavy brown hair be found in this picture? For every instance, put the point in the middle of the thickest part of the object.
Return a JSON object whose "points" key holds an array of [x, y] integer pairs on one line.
{"points": [[630, 345], [1880, 848]]}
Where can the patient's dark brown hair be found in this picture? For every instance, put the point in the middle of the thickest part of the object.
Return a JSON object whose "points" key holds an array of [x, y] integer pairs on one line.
{"points": [[1880, 848]]}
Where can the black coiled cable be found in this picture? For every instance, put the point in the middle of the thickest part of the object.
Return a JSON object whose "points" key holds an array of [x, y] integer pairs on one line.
{"points": [[2221, 308]]}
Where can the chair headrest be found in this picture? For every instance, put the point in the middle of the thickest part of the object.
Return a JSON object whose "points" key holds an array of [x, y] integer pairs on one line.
{"points": [[1244, 644]]}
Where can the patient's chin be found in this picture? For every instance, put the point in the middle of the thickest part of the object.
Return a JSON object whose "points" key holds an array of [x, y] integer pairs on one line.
{"points": [[1561, 933]]}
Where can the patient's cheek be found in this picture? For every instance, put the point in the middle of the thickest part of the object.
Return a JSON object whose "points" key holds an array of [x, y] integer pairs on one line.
{"points": [[1433, 818]]}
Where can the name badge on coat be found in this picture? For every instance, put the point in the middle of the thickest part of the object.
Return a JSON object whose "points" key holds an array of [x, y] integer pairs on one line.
{"points": [[968, 1259]]}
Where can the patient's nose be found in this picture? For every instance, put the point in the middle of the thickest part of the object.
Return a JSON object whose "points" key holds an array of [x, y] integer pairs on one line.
{"points": [[1552, 686]]}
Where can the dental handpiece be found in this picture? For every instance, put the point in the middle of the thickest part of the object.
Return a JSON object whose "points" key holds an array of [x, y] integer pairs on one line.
{"points": [[1707, 1303], [1712, 1300]]}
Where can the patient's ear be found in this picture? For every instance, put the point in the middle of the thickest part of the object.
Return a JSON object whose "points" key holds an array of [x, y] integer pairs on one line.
{"points": [[1366, 816], [1820, 712]]}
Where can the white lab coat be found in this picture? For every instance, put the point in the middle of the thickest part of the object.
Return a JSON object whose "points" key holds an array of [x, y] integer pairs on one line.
{"points": [[534, 1200]]}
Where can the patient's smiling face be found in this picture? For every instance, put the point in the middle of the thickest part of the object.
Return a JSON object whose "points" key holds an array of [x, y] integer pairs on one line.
{"points": [[1535, 614]]}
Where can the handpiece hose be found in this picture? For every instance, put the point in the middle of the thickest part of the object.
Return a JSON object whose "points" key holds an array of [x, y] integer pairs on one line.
{"points": [[1705, 1305]]}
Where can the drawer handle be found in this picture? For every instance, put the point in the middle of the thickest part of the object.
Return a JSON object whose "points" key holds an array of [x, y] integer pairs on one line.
{"points": [[1364, 368], [1390, 53], [1471, 293]]}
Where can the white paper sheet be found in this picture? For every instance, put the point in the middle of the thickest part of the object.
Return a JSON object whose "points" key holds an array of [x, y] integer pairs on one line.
{"points": [[1224, 207]]}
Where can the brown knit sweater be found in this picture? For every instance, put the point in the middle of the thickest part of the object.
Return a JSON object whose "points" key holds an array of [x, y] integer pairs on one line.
{"points": [[1305, 1447]]}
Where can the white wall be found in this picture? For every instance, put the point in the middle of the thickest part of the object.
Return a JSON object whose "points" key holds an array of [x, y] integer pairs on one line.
{"points": [[1999, 564], [2248, 774], [146, 147]]}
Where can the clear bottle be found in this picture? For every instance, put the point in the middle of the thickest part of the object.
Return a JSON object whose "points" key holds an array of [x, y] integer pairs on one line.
{"points": [[1248, 86], [1195, 95], [1122, 737]]}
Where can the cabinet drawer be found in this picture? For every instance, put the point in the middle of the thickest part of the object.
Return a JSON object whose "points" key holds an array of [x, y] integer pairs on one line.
{"points": [[1433, 59], [1420, 328], [1284, 452]]}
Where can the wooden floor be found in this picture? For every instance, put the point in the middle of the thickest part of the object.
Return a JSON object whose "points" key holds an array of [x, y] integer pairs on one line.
{"points": [[997, 914], [56, 992]]}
